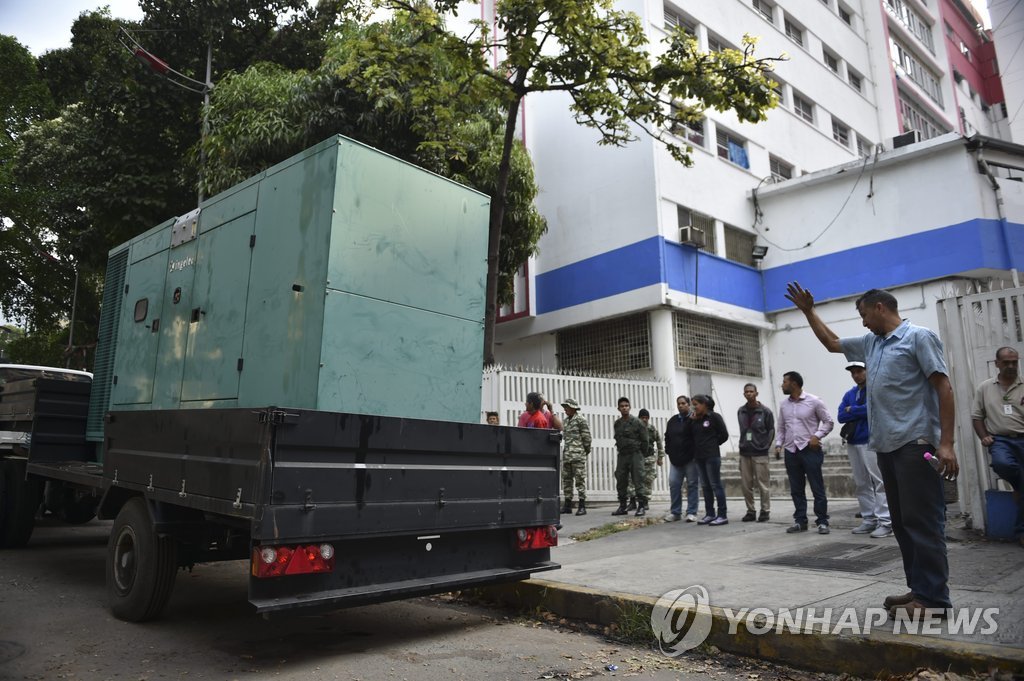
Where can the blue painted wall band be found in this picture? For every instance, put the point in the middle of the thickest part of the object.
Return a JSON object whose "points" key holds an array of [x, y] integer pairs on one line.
{"points": [[923, 256]]}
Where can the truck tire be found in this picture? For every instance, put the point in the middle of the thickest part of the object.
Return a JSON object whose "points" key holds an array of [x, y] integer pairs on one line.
{"points": [[141, 565], [19, 502]]}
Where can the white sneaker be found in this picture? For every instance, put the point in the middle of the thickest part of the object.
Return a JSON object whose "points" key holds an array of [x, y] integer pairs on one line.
{"points": [[691, 518], [865, 527], [671, 517], [881, 531]]}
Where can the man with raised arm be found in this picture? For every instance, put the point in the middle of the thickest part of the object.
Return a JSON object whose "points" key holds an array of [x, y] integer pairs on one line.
{"points": [[910, 413]]}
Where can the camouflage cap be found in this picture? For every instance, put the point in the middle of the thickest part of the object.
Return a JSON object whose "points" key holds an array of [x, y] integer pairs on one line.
{"points": [[571, 403]]}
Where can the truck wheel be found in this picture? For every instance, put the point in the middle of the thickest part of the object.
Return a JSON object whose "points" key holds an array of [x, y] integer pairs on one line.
{"points": [[19, 502], [141, 565]]}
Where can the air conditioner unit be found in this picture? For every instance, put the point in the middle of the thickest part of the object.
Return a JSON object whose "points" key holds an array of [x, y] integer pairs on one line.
{"points": [[909, 137], [692, 236]]}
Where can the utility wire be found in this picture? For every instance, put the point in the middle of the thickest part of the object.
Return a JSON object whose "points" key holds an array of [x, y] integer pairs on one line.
{"points": [[759, 214]]}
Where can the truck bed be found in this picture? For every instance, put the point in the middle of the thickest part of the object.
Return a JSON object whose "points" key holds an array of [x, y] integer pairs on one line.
{"points": [[410, 506]]}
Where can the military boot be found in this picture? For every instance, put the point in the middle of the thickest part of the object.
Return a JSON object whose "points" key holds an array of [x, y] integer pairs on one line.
{"points": [[632, 504], [621, 510], [582, 509], [567, 508]]}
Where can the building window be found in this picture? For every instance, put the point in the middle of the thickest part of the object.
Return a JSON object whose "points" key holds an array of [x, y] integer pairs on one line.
{"points": [[732, 148], [803, 108], [780, 169], [864, 147], [709, 344], [766, 9], [705, 223], [855, 80], [841, 132], [716, 44], [693, 131], [831, 61], [905, 59], [914, 118], [794, 32], [845, 15], [674, 19], [739, 245], [615, 346], [777, 87], [914, 22]]}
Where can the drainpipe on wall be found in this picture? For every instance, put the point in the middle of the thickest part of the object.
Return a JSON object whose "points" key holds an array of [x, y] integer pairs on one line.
{"points": [[994, 183]]}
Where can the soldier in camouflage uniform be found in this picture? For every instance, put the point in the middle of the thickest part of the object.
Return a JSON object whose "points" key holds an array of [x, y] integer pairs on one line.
{"points": [[653, 457], [632, 441], [576, 436]]}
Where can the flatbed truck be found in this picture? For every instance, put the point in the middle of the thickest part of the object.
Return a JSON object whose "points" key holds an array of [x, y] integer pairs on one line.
{"points": [[290, 376]]}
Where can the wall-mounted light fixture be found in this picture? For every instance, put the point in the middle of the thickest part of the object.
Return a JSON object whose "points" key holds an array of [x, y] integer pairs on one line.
{"points": [[758, 252]]}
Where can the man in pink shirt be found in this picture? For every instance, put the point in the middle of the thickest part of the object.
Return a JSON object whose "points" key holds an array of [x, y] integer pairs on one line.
{"points": [[803, 421]]}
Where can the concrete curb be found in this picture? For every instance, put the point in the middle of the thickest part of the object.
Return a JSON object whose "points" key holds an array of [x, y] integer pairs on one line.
{"points": [[877, 655]]}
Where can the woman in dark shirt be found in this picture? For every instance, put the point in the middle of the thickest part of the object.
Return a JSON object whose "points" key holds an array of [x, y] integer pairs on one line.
{"points": [[707, 428]]}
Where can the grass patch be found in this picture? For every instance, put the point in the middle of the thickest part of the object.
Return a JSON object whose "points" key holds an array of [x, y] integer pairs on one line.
{"points": [[614, 528], [633, 624]]}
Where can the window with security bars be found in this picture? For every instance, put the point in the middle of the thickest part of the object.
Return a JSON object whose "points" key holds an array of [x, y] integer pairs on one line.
{"points": [[831, 61], [709, 344], [780, 169], [674, 19], [855, 80], [794, 32], [803, 108], [732, 148], [616, 346], [766, 9], [841, 132], [739, 245], [705, 223]]}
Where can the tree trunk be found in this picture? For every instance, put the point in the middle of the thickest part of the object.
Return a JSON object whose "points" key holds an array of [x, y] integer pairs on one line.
{"points": [[494, 230]]}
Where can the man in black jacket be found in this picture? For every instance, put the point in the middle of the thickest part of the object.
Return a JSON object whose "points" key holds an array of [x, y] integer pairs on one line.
{"points": [[679, 447]]}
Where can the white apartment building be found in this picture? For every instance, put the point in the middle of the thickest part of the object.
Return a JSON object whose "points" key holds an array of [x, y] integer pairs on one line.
{"points": [[619, 287]]}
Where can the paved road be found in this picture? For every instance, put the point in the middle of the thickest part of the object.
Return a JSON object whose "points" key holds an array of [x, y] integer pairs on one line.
{"points": [[54, 624]]}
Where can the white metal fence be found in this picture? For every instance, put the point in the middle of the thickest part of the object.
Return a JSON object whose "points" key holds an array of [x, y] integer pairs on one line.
{"points": [[505, 390], [973, 326]]}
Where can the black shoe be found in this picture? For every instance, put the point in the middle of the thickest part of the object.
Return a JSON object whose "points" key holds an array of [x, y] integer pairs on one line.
{"points": [[749, 517], [796, 527], [567, 509], [632, 504], [763, 516], [640, 512], [857, 515], [582, 510], [621, 510]]}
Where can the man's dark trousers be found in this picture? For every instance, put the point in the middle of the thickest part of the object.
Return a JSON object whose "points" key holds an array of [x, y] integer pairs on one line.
{"points": [[1008, 463], [805, 465], [629, 466], [918, 509]]}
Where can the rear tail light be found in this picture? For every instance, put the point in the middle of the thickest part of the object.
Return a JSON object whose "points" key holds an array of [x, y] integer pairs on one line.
{"points": [[276, 561], [529, 538]]}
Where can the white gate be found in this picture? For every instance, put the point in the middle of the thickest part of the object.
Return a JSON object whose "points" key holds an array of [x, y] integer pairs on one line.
{"points": [[973, 327], [505, 390]]}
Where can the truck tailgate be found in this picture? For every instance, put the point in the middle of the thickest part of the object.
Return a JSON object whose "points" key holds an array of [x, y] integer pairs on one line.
{"points": [[344, 474]]}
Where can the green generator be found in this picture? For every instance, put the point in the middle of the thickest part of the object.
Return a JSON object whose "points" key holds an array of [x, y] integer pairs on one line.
{"points": [[341, 279]]}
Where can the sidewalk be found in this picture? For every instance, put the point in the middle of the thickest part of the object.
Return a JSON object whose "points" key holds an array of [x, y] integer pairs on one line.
{"points": [[757, 565]]}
